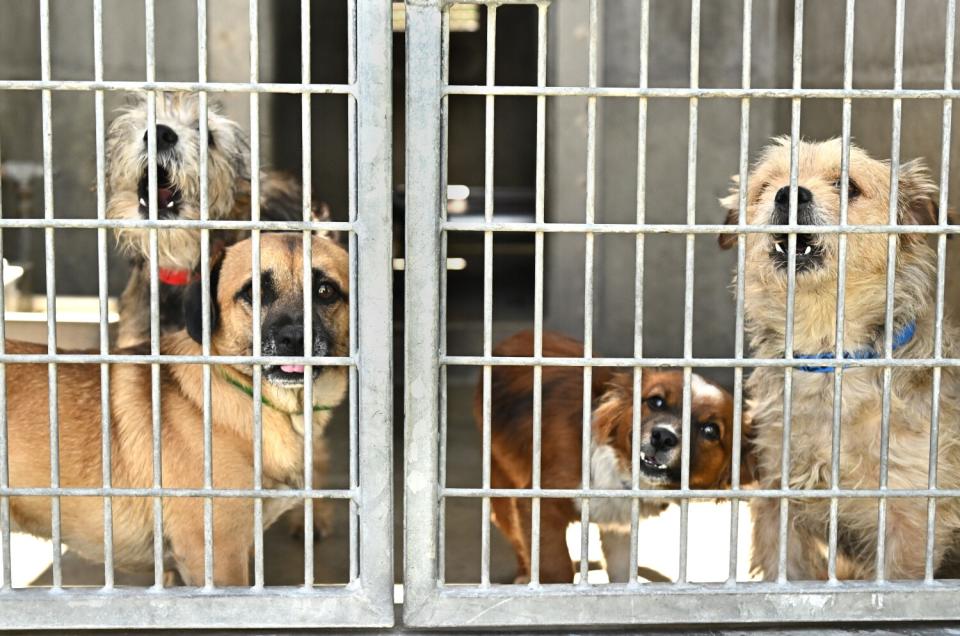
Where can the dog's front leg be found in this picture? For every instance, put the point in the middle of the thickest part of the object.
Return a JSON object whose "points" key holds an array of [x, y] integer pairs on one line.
{"points": [[616, 552]]}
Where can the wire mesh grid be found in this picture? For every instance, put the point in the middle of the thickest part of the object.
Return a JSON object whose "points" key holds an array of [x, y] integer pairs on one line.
{"points": [[433, 601], [366, 598]]}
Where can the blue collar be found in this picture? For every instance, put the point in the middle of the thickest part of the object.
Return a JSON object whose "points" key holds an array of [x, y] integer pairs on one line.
{"points": [[901, 338]]}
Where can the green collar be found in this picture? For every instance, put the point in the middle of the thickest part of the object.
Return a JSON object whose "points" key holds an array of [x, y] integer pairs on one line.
{"points": [[249, 391]]}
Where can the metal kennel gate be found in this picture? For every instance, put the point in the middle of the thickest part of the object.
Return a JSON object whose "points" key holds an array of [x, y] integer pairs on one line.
{"points": [[430, 601], [367, 598]]}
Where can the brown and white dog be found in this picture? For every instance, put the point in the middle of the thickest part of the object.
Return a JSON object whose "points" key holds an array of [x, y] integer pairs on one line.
{"points": [[182, 418], [818, 203], [610, 454]]}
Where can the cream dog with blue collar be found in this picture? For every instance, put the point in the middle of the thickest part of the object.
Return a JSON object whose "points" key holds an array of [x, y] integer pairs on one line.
{"points": [[864, 336]]}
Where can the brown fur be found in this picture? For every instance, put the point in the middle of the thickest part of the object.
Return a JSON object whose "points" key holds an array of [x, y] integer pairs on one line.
{"points": [[562, 421], [182, 429], [814, 332]]}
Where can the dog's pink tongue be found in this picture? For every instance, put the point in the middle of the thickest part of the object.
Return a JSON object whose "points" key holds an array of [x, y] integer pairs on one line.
{"points": [[291, 368]]}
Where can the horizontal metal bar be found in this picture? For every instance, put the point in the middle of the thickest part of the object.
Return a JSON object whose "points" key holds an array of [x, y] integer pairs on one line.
{"points": [[212, 224], [666, 603], [116, 358], [714, 363], [207, 87], [706, 93], [684, 493], [678, 228], [67, 610], [229, 493]]}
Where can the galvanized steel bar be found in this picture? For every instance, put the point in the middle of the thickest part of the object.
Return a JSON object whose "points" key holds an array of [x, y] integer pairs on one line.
{"points": [[6, 581], [641, 216], [306, 148], [849, 21], [929, 565], [424, 202], [374, 232], [51, 284], [102, 293], [586, 439], [892, 243], [256, 293], [488, 194], [740, 294], [539, 216], [791, 286], [444, 402], [692, 142]]}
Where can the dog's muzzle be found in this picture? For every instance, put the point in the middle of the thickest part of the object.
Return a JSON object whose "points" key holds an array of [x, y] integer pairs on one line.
{"points": [[660, 450], [287, 339], [168, 196], [808, 249]]}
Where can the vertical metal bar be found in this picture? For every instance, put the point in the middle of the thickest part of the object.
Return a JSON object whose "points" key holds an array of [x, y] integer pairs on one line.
{"points": [[150, 37], [444, 416], [929, 565], [374, 272], [791, 287], [891, 275], [692, 140], [51, 275], [6, 581], [353, 418], [307, 160], [590, 213], [208, 548], [641, 215], [254, 26], [423, 205], [102, 292], [539, 205], [744, 172], [488, 194], [849, 23]]}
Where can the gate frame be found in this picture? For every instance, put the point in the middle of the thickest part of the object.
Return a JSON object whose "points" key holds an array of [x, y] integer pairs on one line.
{"points": [[429, 602], [368, 600]]}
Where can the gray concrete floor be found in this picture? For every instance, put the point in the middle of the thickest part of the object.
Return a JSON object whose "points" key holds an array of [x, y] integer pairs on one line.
{"points": [[659, 537]]}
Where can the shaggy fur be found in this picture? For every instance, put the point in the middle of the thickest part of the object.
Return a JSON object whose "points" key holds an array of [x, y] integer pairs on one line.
{"points": [[814, 332], [182, 421], [178, 197]]}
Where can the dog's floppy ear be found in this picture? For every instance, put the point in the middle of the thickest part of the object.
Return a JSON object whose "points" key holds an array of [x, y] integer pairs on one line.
{"points": [[193, 302], [917, 195], [731, 203]]}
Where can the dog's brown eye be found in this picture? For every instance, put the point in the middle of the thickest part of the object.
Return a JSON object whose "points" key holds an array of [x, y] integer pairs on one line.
{"points": [[326, 292], [710, 431], [853, 191], [656, 402]]}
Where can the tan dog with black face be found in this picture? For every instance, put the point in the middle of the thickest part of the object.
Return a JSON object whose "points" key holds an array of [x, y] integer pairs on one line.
{"points": [[182, 418], [818, 198]]}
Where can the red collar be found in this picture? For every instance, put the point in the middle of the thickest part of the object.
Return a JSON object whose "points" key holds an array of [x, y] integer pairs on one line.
{"points": [[176, 277]]}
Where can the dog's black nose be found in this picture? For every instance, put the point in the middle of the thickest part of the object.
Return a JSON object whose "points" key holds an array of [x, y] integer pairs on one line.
{"points": [[166, 138], [783, 196], [290, 340], [663, 438]]}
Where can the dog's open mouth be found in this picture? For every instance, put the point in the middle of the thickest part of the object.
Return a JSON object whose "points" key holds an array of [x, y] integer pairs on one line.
{"points": [[654, 469], [808, 251], [287, 374], [168, 197]]}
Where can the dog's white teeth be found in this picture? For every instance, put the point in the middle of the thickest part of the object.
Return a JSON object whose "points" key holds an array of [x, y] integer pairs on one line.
{"points": [[142, 202], [643, 456], [778, 247], [170, 205], [808, 250]]}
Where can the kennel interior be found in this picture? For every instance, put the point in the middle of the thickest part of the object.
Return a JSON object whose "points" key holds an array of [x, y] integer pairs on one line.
{"points": [[551, 166]]}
